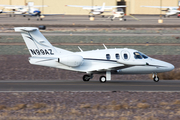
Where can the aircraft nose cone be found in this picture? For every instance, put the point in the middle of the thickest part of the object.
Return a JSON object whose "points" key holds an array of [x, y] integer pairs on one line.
{"points": [[170, 67]]}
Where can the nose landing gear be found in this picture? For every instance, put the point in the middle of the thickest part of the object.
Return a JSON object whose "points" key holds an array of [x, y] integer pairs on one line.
{"points": [[155, 78]]}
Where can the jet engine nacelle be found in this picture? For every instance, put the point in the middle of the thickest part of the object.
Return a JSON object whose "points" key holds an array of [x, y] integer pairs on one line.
{"points": [[71, 60], [1, 11]]}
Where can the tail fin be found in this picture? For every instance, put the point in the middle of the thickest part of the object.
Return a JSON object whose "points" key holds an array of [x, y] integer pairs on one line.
{"points": [[103, 6], [36, 43]]}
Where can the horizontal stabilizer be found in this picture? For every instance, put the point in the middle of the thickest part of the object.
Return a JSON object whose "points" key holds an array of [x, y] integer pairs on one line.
{"points": [[26, 29]]}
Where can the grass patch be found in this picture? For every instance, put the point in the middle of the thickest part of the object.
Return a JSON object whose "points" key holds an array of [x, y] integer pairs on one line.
{"points": [[2, 107], [143, 105], [18, 107], [172, 75], [176, 102], [39, 105]]}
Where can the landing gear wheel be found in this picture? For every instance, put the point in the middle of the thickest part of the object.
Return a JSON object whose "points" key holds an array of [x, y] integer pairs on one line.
{"points": [[103, 16], [28, 18], [86, 78], [124, 19], [156, 79], [111, 19], [102, 79], [37, 19]]}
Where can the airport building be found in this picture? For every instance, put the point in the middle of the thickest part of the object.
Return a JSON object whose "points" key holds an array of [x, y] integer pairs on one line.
{"points": [[59, 6]]}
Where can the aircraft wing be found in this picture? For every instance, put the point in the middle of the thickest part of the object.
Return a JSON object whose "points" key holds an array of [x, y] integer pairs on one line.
{"points": [[12, 6], [95, 7], [116, 66], [160, 6], [111, 7], [41, 14], [20, 6], [85, 7], [39, 6]]}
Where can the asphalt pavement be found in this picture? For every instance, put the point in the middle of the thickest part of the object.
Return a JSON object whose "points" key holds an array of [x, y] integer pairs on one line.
{"points": [[84, 21], [79, 85]]}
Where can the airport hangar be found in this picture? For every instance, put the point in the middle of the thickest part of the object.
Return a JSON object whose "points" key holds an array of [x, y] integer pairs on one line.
{"points": [[58, 6]]}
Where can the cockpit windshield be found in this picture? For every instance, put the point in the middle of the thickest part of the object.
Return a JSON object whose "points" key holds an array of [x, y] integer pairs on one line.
{"points": [[143, 55], [138, 55]]}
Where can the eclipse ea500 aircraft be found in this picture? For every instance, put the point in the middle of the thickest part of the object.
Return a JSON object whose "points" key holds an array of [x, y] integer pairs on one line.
{"points": [[105, 61]]}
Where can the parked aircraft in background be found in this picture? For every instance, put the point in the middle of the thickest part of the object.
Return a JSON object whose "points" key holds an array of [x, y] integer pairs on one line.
{"points": [[105, 61], [29, 10], [117, 14], [97, 10], [169, 10]]}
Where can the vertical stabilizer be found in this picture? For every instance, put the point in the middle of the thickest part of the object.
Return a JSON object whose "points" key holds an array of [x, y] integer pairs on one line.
{"points": [[103, 6], [36, 43]]}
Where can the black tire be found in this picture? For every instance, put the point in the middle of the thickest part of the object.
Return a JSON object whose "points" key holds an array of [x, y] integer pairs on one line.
{"points": [[86, 78], [111, 19], [28, 18], [156, 79], [124, 19], [102, 79]]}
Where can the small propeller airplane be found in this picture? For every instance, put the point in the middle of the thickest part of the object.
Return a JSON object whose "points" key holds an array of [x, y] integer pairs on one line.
{"points": [[117, 14], [97, 10], [169, 10], [28, 10], [105, 61]]}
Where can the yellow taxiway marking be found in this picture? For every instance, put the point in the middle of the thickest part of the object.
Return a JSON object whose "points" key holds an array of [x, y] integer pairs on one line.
{"points": [[135, 18]]}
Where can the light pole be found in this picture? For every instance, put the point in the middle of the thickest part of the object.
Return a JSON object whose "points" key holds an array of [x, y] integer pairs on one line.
{"points": [[161, 9], [160, 20], [42, 6]]}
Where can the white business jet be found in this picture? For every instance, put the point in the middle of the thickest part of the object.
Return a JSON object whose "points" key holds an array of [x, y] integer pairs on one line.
{"points": [[169, 10], [97, 10], [105, 61]]}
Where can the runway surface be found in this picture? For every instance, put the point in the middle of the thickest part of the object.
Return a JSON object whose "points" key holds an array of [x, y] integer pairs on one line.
{"points": [[123, 85]]}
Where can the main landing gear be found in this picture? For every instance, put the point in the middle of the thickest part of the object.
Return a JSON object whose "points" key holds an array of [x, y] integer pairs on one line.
{"points": [[102, 79], [87, 77], [155, 78]]}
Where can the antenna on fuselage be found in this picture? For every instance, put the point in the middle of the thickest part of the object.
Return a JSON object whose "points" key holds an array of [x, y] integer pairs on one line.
{"points": [[80, 49], [104, 46]]}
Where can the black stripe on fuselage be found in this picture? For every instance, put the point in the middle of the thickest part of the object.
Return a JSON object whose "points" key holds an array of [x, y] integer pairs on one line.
{"points": [[100, 59]]}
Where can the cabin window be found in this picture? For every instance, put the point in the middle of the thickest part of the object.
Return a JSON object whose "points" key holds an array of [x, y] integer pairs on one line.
{"points": [[108, 57], [137, 55], [117, 56], [125, 56]]}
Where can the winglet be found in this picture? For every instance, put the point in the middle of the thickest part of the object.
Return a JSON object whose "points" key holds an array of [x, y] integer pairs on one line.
{"points": [[80, 49], [104, 46]]}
